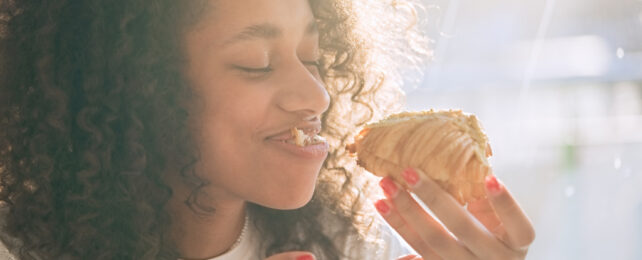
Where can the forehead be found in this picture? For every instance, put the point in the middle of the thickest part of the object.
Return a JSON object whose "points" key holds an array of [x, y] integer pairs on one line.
{"points": [[226, 18]]}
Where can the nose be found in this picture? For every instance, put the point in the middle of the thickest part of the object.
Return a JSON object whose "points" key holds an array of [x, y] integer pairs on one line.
{"points": [[302, 93]]}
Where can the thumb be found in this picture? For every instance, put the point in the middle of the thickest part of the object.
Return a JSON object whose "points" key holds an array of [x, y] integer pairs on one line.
{"points": [[292, 255]]}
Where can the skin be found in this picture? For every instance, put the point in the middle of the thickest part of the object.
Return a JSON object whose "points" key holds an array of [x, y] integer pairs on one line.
{"points": [[494, 227], [251, 85], [256, 85]]}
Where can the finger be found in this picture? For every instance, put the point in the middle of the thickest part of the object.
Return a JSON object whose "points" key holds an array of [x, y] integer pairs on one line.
{"points": [[431, 232], [484, 212], [404, 230], [455, 217], [410, 257], [293, 255], [517, 225]]}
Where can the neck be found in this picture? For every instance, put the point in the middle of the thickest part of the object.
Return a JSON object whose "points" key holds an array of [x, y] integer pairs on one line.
{"points": [[199, 236]]}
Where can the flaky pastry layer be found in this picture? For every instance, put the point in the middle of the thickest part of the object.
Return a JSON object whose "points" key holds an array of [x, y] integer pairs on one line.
{"points": [[450, 147]]}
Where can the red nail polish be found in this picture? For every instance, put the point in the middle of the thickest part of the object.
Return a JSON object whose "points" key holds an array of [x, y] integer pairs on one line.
{"points": [[492, 184], [382, 207], [305, 257], [389, 187], [411, 177]]}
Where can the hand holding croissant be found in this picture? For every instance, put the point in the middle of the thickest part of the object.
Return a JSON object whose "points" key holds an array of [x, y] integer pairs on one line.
{"points": [[441, 157]]}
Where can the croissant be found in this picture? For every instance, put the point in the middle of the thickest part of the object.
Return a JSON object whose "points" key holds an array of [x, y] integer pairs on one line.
{"points": [[448, 146]]}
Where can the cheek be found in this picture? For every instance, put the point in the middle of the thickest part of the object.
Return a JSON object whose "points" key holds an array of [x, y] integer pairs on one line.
{"points": [[227, 140], [225, 131]]}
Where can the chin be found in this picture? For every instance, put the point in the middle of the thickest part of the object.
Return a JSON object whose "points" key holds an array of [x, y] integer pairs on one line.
{"points": [[292, 189], [291, 200], [297, 204]]}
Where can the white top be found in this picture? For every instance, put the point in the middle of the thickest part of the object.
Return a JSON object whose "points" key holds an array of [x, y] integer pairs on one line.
{"points": [[247, 247], [4, 253], [390, 246]]}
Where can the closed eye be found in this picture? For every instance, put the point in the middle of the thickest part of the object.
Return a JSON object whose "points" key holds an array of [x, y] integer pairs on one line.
{"points": [[254, 70], [254, 73]]}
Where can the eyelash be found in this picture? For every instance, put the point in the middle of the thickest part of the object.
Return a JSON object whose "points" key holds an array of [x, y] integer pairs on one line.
{"points": [[255, 70], [269, 69]]}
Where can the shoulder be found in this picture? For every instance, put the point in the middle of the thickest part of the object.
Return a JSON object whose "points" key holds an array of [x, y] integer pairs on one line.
{"points": [[4, 252], [4, 238]]}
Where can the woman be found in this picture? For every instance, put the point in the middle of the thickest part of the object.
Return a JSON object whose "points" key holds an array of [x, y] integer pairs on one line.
{"points": [[161, 130]]}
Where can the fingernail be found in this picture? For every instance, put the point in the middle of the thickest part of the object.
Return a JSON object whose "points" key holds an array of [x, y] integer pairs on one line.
{"points": [[389, 187], [492, 184], [305, 257], [411, 176], [382, 207]]}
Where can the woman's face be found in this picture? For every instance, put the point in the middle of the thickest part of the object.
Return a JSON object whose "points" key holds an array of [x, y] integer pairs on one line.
{"points": [[252, 64]]}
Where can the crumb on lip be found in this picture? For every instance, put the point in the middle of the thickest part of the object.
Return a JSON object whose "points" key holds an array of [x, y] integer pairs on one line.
{"points": [[302, 139], [299, 136]]}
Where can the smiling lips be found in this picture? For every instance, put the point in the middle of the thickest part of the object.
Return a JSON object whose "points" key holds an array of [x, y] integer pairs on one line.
{"points": [[300, 137]]}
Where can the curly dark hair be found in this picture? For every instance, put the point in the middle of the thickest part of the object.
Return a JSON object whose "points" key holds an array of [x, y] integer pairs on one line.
{"points": [[92, 114]]}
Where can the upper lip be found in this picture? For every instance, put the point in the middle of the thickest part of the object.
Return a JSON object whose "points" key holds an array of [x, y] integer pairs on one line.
{"points": [[310, 129]]}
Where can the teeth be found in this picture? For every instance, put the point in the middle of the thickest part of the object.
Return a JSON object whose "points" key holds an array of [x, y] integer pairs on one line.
{"points": [[317, 139], [301, 139]]}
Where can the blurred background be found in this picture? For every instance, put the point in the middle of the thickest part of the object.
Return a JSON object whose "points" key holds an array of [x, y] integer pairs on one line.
{"points": [[558, 87]]}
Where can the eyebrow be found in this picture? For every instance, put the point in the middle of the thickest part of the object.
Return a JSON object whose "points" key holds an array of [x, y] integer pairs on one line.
{"points": [[267, 31]]}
